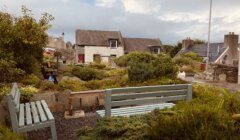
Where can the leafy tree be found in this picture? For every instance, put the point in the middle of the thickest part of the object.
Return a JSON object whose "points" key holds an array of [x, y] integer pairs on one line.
{"points": [[24, 37], [8, 70]]}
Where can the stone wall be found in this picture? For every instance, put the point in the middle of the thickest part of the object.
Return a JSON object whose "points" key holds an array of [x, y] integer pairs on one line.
{"points": [[224, 73], [58, 102]]}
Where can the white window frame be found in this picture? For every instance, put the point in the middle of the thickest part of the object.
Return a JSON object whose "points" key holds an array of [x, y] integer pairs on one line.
{"points": [[110, 44]]}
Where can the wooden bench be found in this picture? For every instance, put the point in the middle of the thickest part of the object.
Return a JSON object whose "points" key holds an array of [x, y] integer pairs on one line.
{"points": [[29, 116], [139, 100]]}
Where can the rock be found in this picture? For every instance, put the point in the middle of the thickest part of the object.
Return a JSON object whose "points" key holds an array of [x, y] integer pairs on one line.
{"points": [[222, 78]]}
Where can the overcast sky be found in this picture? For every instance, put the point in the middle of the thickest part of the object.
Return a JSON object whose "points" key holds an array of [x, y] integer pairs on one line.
{"points": [[169, 20]]}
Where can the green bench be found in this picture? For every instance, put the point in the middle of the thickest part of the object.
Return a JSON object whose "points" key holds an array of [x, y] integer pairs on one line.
{"points": [[29, 116], [138, 100]]}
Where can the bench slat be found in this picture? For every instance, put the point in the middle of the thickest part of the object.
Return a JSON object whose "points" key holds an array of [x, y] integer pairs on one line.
{"points": [[147, 100], [148, 94], [21, 116], [41, 112], [35, 113], [46, 109], [149, 88], [28, 114], [128, 111]]}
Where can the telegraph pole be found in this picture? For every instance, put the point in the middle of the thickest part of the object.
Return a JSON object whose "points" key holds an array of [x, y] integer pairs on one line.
{"points": [[209, 35]]}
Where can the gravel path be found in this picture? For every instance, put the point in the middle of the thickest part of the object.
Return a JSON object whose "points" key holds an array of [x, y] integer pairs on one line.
{"points": [[66, 129]]}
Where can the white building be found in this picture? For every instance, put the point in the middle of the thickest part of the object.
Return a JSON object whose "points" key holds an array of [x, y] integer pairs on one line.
{"points": [[104, 46]]}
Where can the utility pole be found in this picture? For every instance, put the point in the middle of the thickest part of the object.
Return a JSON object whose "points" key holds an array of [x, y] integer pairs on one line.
{"points": [[209, 35]]}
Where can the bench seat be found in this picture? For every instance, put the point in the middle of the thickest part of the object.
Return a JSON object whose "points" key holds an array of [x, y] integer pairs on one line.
{"points": [[29, 116], [33, 113], [129, 111]]}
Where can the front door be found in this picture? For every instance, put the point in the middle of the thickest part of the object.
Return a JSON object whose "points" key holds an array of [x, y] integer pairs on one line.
{"points": [[80, 58]]}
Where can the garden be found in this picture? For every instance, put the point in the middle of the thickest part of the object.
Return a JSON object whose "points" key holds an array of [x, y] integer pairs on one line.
{"points": [[207, 116]]}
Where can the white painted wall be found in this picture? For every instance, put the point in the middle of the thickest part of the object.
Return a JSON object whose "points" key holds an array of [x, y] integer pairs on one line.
{"points": [[104, 51]]}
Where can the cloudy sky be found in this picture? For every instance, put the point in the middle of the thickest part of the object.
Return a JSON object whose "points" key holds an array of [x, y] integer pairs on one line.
{"points": [[169, 20]]}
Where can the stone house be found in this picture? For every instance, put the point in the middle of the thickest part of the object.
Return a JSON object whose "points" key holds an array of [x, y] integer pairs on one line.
{"points": [[219, 53], [58, 44], [95, 45]]}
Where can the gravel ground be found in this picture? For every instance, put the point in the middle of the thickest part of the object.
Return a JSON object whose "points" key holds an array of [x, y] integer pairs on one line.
{"points": [[66, 129]]}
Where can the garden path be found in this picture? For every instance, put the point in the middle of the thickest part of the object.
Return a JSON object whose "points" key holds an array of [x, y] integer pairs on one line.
{"points": [[66, 129], [233, 87]]}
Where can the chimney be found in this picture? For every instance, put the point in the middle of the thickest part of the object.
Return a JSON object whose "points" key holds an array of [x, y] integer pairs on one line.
{"points": [[186, 43], [231, 41]]}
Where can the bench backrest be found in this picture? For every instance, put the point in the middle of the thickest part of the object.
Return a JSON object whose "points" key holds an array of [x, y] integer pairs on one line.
{"points": [[13, 99], [129, 96]]}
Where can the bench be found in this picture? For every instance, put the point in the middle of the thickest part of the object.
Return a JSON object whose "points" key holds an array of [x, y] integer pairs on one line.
{"points": [[29, 116], [138, 100]]}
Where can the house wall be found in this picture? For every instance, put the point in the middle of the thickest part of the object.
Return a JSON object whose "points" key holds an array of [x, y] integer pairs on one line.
{"points": [[104, 51]]}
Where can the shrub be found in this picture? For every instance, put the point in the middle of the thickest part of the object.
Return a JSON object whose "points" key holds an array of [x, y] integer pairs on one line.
{"points": [[73, 85], [134, 57], [117, 72], [87, 74], [4, 89], [164, 67], [93, 85], [30, 79], [47, 85], [27, 93], [7, 134], [207, 116], [194, 122], [140, 72], [116, 128], [97, 65]]}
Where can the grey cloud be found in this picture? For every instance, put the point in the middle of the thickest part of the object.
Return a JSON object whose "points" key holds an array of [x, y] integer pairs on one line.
{"points": [[72, 14]]}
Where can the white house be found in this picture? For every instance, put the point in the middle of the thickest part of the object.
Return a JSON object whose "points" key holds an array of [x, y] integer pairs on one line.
{"points": [[94, 45]]}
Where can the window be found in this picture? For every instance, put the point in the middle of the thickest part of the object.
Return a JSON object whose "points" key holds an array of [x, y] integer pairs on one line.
{"points": [[97, 58], [113, 43]]}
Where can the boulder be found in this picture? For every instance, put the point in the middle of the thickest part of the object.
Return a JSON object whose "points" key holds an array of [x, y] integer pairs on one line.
{"points": [[222, 78]]}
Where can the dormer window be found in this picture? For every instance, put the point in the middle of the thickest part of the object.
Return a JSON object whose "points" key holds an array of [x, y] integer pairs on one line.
{"points": [[113, 43]]}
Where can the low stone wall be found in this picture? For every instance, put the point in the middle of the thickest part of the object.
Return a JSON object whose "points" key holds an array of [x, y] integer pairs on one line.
{"points": [[220, 73], [58, 102], [225, 73]]}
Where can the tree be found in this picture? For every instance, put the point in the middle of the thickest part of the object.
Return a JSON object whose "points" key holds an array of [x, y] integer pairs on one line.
{"points": [[8, 70], [24, 37]]}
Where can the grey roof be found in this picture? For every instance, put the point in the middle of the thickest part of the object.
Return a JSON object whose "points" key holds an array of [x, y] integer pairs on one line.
{"points": [[96, 37], [215, 50], [140, 44]]}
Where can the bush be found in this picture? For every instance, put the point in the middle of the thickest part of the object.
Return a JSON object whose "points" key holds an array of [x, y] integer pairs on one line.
{"points": [[207, 116], [7, 134], [93, 85], [97, 65], [116, 128], [73, 85], [4, 89], [134, 57], [27, 93], [47, 85], [164, 67], [31, 79], [160, 66], [87, 74], [140, 72]]}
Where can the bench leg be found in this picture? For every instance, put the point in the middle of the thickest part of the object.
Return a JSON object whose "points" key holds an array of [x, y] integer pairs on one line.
{"points": [[53, 131]]}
